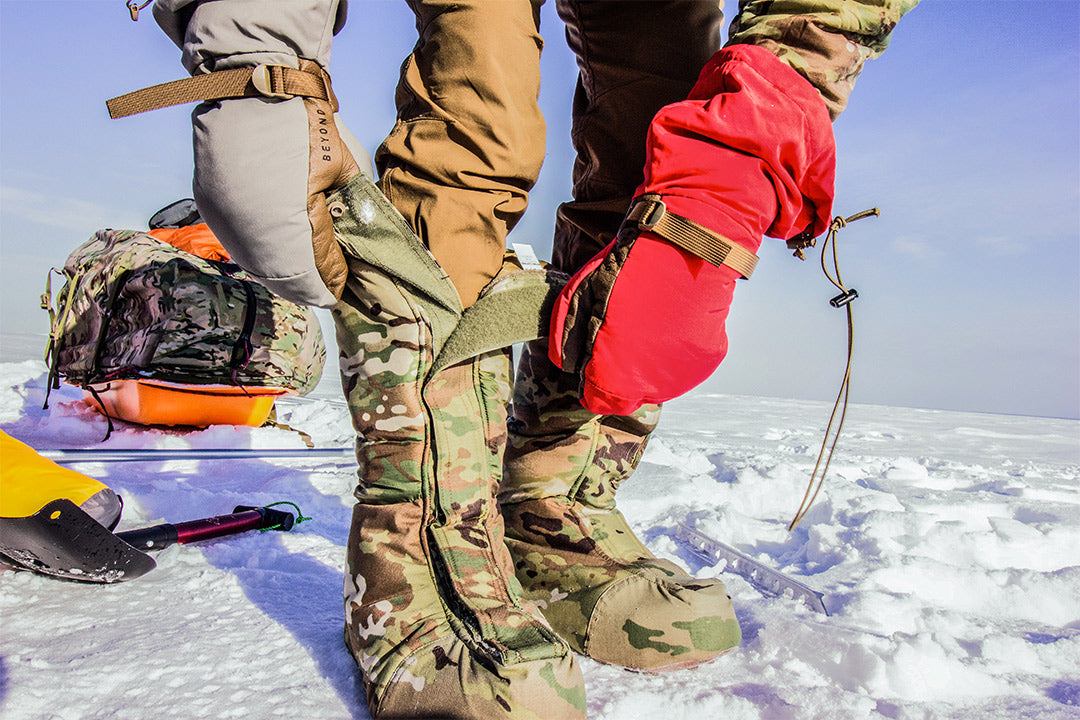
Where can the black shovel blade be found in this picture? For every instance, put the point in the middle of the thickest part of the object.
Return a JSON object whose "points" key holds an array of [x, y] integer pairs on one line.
{"points": [[61, 540]]}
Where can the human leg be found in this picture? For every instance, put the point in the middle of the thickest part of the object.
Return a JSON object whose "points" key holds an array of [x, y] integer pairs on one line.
{"points": [[434, 615], [601, 589], [469, 140]]}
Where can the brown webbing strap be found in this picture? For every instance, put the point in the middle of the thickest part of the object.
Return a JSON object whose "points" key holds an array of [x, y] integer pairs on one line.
{"points": [[275, 81], [650, 213]]}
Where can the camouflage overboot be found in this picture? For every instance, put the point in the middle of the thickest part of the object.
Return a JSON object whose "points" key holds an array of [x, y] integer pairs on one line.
{"points": [[600, 588], [434, 614]]}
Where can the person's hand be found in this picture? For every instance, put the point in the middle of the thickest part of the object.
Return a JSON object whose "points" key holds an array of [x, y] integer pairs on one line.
{"points": [[749, 153], [263, 164]]}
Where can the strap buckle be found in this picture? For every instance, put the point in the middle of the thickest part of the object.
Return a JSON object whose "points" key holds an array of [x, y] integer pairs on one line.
{"points": [[652, 212], [649, 213], [263, 78]]}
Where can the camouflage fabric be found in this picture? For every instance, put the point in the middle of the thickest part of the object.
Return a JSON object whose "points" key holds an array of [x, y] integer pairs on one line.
{"points": [[826, 41], [134, 306], [574, 553], [434, 614]]}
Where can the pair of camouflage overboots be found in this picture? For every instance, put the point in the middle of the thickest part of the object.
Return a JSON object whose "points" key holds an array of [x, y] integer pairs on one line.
{"points": [[450, 611]]}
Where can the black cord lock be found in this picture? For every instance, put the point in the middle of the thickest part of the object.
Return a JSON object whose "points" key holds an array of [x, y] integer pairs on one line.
{"points": [[844, 298]]}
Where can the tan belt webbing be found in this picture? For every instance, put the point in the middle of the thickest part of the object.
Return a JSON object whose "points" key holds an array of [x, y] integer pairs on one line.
{"points": [[275, 81], [650, 213]]}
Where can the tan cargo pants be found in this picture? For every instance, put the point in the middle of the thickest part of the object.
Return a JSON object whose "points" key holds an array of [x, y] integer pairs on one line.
{"points": [[469, 140]]}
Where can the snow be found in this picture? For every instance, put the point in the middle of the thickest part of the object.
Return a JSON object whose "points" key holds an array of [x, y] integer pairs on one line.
{"points": [[947, 546]]}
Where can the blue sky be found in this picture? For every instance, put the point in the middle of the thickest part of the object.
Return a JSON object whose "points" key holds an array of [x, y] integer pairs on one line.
{"points": [[965, 134]]}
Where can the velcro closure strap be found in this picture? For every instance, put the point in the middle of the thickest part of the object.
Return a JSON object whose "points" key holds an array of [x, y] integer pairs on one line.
{"points": [[515, 307], [273, 81], [650, 213]]}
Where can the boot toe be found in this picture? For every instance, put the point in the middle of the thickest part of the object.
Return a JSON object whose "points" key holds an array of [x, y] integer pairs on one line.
{"points": [[653, 620], [446, 680]]}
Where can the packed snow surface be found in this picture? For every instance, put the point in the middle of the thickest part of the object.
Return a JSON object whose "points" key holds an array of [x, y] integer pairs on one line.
{"points": [[947, 546]]}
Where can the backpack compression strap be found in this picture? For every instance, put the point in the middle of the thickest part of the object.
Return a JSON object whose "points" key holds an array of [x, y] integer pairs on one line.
{"points": [[274, 81]]}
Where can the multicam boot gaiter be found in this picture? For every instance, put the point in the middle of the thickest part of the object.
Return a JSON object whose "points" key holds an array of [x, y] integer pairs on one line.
{"points": [[434, 615], [600, 588]]}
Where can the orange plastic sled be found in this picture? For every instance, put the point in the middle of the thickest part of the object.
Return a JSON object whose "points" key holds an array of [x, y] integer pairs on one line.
{"points": [[154, 402]]}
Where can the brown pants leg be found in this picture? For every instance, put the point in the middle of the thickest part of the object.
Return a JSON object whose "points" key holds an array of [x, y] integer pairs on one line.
{"points": [[469, 140], [633, 58]]}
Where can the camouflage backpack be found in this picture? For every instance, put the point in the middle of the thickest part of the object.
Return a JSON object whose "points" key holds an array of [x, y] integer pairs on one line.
{"points": [[136, 307]]}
